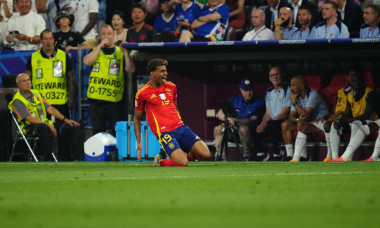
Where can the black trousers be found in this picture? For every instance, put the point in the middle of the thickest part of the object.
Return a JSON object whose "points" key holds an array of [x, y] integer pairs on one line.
{"points": [[256, 138], [44, 139], [274, 132], [70, 143], [102, 112]]}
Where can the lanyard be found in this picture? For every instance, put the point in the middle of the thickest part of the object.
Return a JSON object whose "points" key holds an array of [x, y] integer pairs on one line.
{"points": [[114, 54], [272, 22], [372, 33], [257, 33]]}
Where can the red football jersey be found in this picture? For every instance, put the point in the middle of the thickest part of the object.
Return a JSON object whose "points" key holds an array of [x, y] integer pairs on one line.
{"points": [[159, 106]]}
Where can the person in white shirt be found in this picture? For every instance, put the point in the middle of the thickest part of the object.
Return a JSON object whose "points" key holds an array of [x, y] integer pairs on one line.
{"points": [[24, 29], [260, 32], [6, 11], [86, 14]]}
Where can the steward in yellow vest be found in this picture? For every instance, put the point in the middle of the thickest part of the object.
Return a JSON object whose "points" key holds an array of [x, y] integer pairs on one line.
{"points": [[31, 110], [106, 82], [52, 74]]}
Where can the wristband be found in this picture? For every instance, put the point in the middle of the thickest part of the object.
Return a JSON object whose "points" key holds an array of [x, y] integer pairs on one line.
{"points": [[295, 103], [63, 119]]}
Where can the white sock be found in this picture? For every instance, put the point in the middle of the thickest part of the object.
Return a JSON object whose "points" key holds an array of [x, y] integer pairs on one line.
{"points": [[376, 150], [300, 144], [328, 145], [289, 150], [354, 128], [334, 142], [355, 142]]}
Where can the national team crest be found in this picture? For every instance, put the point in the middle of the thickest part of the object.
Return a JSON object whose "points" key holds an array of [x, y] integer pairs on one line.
{"points": [[171, 145], [162, 96]]}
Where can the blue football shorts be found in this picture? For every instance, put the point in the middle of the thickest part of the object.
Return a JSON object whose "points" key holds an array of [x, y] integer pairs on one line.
{"points": [[180, 138]]}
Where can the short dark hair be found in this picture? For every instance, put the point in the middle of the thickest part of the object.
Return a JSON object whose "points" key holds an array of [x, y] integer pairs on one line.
{"points": [[305, 8], [375, 8], [154, 63], [118, 12], [139, 6], [333, 4], [45, 31]]}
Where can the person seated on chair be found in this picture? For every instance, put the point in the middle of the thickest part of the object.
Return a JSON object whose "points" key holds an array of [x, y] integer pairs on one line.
{"points": [[278, 104], [362, 114], [249, 108], [52, 66], [307, 105], [31, 110]]}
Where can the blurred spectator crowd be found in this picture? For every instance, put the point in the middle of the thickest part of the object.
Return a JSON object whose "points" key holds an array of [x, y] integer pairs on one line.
{"points": [[76, 23]]}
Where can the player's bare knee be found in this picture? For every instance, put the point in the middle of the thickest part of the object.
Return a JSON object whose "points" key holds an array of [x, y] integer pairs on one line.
{"points": [[243, 130], [182, 161], [285, 125]]}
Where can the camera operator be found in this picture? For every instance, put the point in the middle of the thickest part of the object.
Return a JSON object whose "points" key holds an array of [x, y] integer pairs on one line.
{"points": [[248, 108]]}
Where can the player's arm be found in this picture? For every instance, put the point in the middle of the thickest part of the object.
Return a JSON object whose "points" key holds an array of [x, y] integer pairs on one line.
{"points": [[91, 57], [210, 17], [137, 126], [306, 113], [283, 114], [93, 19], [293, 116], [264, 121], [129, 64]]}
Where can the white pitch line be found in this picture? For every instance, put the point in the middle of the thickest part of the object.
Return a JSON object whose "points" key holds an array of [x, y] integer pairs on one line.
{"points": [[194, 177], [190, 176]]}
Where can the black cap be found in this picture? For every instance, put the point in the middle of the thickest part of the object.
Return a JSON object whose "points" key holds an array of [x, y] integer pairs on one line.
{"points": [[62, 14], [246, 84]]}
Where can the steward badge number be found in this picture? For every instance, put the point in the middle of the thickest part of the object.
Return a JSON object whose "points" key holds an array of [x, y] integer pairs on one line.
{"points": [[39, 73], [114, 67], [96, 67], [57, 69]]}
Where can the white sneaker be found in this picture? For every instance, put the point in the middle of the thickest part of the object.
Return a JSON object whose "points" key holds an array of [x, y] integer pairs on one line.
{"points": [[263, 156]]}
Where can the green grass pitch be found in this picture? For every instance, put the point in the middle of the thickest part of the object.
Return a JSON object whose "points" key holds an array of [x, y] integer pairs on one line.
{"points": [[205, 194]]}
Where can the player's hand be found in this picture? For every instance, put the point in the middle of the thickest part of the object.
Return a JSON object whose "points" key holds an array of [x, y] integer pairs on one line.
{"points": [[123, 48], [261, 128], [9, 38], [104, 43], [72, 123], [68, 48], [278, 22], [53, 130], [21, 37], [139, 148], [317, 120], [293, 97], [231, 122]]}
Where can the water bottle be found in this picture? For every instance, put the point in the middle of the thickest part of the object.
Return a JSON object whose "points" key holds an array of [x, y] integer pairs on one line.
{"points": [[339, 130]]}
